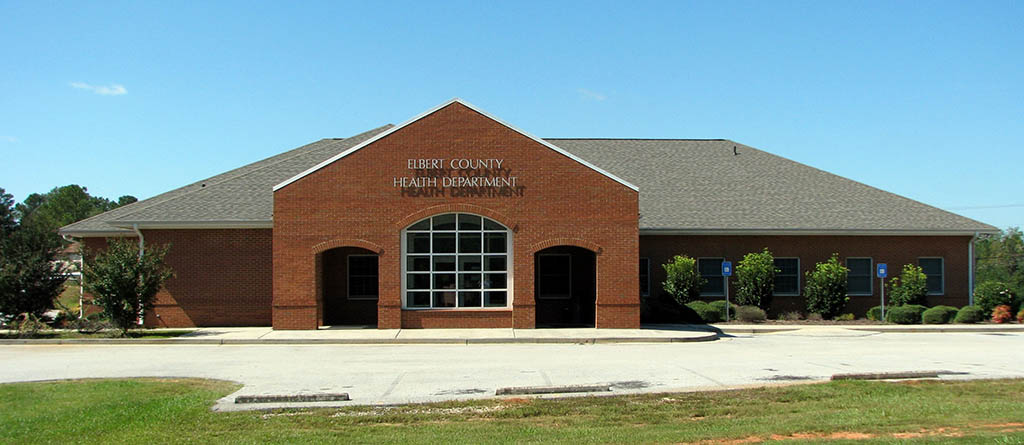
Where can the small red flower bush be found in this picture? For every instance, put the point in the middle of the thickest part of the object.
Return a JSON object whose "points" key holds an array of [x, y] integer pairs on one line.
{"points": [[1001, 314]]}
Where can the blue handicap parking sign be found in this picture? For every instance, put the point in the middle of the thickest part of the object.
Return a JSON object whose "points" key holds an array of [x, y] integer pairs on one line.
{"points": [[882, 270], [726, 268]]}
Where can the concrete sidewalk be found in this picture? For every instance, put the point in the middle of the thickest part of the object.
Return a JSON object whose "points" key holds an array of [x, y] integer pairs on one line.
{"points": [[666, 333]]}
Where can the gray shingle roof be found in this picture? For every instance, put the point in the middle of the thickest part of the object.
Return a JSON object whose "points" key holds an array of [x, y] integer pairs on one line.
{"points": [[700, 185], [685, 185]]}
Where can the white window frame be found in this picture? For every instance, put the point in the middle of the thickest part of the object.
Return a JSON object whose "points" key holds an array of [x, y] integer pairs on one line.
{"points": [[871, 276], [942, 264], [555, 297], [509, 255], [721, 259], [648, 272], [798, 286], [348, 277]]}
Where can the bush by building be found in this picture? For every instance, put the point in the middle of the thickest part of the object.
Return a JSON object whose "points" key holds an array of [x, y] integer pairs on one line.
{"points": [[906, 314], [911, 287], [124, 282], [825, 288], [990, 294], [755, 279], [875, 313], [1002, 314], [682, 279], [706, 312], [939, 315], [720, 306], [969, 314], [750, 314]]}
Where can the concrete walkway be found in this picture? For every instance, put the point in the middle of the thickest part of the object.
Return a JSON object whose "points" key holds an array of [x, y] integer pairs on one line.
{"points": [[662, 334]]}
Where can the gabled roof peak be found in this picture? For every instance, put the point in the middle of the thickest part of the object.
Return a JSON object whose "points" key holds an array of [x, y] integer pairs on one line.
{"points": [[432, 111]]}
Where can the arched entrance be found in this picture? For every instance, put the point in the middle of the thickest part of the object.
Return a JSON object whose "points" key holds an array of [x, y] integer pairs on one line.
{"points": [[349, 290], [565, 286]]}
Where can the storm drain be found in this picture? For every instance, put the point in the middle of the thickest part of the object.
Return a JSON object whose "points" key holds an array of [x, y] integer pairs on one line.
{"points": [[336, 397], [890, 375], [564, 389]]}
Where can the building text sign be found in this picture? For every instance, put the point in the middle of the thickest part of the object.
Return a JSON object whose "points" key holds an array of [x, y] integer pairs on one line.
{"points": [[458, 177]]}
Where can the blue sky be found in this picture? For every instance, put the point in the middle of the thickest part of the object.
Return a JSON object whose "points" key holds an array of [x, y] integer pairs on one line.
{"points": [[923, 99]]}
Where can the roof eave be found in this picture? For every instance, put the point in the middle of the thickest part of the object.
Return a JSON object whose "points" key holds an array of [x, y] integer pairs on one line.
{"points": [[820, 232]]}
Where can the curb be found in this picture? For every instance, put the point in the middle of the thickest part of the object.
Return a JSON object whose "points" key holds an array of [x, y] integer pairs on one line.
{"points": [[711, 336]]}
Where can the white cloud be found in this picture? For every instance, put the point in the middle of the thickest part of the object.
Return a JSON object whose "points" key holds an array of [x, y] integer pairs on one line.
{"points": [[110, 90], [593, 95]]}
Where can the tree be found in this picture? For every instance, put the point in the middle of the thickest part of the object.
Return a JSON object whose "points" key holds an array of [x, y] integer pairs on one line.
{"points": [[682, 281], [1001, 258], [911, 287], [755, 279], [62, 206], [30, 279], [825, 290], [123, 283]]}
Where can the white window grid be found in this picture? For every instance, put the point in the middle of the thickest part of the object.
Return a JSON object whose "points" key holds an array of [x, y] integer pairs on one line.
{"points": [[430, 231]]}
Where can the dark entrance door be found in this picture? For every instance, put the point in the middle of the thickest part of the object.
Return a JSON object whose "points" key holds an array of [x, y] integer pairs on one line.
{"points": [[350, 277], [565, 287]]}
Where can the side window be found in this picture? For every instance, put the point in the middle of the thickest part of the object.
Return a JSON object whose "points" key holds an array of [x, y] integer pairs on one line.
{"points": [[787, 279], [933, 269], [711, 271], [859, 280]]}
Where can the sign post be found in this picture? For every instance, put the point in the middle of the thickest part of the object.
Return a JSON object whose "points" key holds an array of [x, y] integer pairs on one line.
{"points": [[882, 271], [726, 273]]}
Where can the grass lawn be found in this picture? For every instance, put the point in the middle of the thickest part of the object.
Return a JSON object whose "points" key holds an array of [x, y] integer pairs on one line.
{"points": [[177, 410], [69, 297]]}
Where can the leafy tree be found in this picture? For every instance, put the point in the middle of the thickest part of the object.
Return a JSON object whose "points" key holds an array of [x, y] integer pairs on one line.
{"points": [[825, 290], [123, 283], [1001, 258], [911, 287], [30, 280], [755, 279], [62, 206], [682, 280]]}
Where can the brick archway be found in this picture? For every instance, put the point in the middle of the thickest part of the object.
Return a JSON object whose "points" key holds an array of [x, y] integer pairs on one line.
{"points": [[347, 242], [575, 242]]}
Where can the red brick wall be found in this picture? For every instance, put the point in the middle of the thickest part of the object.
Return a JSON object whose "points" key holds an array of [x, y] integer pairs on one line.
{"points": [[564, 202], [222, 277], [893, 250]]}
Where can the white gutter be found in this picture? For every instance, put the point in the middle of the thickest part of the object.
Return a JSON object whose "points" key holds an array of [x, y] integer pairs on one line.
{"points": [[142, 247], [970, 270], [81, 279]]}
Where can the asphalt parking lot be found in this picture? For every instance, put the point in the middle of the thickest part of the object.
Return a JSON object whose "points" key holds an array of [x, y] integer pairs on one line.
{"points": [[390, 374]]}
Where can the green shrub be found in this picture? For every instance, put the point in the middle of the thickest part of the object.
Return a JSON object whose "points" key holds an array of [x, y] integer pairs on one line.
{"points": [[825, 288], [682, 280], [846, 317], [720, 306], [990, 294], [911, 287], [906, 314], [875, 313], [969, 314], [1020, 316], [814, 316], [755, 279], [939, 315], [706, 312], [750, 314]]}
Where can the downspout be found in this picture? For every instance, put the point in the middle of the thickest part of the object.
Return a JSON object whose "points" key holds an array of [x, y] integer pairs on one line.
{"points": [[142, 247], [970, 272]]}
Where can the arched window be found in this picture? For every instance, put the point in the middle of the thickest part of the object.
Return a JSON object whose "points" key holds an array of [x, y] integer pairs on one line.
{"points": [[456, 260]]}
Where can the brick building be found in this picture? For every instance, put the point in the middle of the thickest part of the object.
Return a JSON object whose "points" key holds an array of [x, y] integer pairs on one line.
{"points": [[456, 219]]}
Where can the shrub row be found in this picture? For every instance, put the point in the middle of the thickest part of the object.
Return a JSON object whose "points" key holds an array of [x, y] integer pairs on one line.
{"points": [[917, 314]]}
